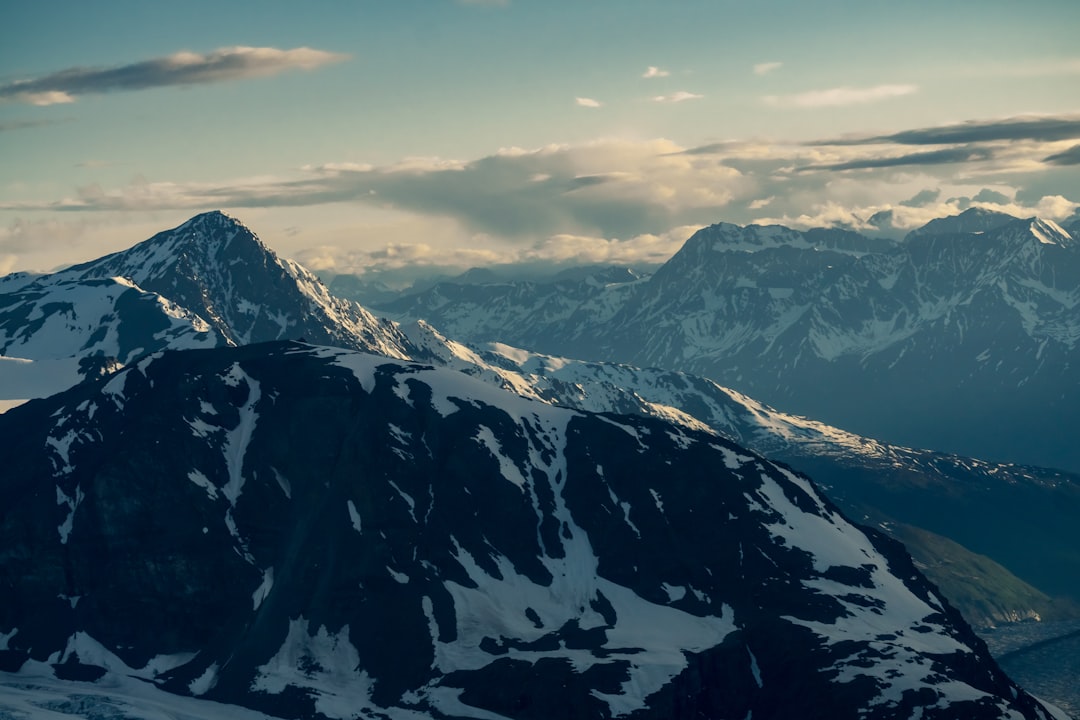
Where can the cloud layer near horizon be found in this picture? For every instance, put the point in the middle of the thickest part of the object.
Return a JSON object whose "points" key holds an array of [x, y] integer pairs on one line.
{"points": [[610, 200], [182, 68]]}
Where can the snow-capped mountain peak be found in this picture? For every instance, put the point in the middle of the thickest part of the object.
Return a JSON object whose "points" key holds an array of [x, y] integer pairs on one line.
{"points": [[1049, 232], [211, 278], [188, 248]]}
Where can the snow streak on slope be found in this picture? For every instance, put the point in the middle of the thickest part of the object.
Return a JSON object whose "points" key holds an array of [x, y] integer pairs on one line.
{"points": [[35, 693]]}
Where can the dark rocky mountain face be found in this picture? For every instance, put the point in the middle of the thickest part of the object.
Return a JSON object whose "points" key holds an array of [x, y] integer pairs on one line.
{"points": [[998, 539], [963, 342], [314, 532]]}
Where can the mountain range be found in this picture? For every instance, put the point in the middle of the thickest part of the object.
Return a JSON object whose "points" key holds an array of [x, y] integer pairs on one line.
{"points": [[1012, 560], [962, 338], [212, 283]]}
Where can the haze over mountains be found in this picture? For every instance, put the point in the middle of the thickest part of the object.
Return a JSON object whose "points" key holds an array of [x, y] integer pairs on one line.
{"points": [[212, 284]]}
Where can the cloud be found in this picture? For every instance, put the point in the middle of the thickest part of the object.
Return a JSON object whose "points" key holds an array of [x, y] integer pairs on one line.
{"points": [[718, 148], [901, 217], [45, 243], [1066, 157], [923, 197], [558, 201], [677, 97], [840, 96], [610, 188], [931, 157], [588, 102], [38, 98], [654, 72], [767, 67], [183, 68], [1056, 207], [1044, 128], [986, 195]]}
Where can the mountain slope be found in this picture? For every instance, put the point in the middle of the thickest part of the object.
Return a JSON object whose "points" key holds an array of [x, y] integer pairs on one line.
{"points": [[316, 532], [1022, 517], [111, 316]]}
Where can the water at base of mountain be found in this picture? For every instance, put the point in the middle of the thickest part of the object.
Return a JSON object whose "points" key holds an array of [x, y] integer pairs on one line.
{"points": [[1043, 657]]}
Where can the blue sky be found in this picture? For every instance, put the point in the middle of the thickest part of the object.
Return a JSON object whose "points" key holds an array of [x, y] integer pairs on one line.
{"points": [[369, 134]]}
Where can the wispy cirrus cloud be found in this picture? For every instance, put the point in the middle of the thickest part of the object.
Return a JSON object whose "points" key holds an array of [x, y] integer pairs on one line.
{"points": [[767, 67], [654, 72], [1040, 128], [587, 102], [932, 157], [1066, 157], [677, 97], [178, 69], [840, 96]]}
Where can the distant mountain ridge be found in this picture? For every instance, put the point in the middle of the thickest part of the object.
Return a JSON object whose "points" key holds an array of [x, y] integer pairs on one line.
{"points": [[973, 220], [966, 342], [316, 532]]}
